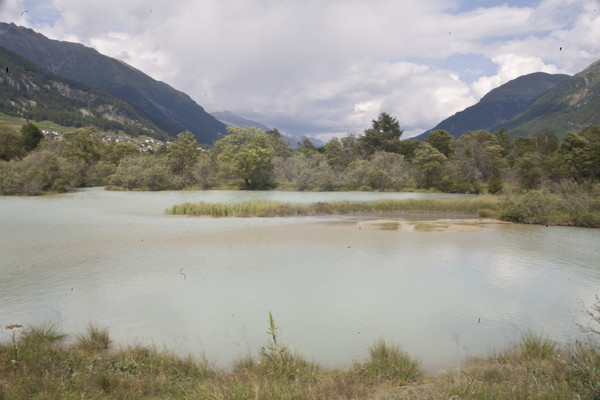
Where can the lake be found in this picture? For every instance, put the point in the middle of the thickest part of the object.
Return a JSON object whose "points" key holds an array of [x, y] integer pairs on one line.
{"points": [[440, 287]]}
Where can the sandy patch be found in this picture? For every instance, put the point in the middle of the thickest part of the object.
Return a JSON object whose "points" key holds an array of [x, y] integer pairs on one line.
{"points": [[440, 225]]}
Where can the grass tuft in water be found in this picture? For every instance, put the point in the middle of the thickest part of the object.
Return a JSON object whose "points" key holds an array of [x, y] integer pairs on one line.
{"points": [[95, 338], [387, 362]]}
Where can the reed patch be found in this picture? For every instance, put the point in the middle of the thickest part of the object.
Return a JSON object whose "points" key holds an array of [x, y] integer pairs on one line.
{"points": [[259, 208]]}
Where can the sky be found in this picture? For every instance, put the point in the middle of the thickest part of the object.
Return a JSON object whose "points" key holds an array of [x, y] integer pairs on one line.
{"points": [[323, 68]]}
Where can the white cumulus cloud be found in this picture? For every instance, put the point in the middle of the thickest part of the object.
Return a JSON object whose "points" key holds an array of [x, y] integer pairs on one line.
{"points": [[329, 67]]}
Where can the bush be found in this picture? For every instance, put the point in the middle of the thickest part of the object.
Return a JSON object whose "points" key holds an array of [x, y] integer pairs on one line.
{"points": [[534, 206]]}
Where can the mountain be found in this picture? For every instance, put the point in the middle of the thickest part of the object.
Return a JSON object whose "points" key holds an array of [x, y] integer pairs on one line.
{"points": [[570, 106], [500, 104], [228, 118], [171, 110], [32, 92]]}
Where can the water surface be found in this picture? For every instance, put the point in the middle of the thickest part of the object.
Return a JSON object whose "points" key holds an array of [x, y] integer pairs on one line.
{"points": [[440, 289]]}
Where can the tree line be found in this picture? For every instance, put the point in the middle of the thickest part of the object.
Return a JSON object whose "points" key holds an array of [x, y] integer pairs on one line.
{"points": [[249, 158]]}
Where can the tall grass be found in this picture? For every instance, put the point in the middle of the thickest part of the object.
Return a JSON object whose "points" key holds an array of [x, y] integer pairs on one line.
{"points": [[533, 368], [257, 208], [95, 338], [387, 362]]}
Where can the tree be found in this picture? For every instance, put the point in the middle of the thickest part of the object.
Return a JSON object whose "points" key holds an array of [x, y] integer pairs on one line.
{"points": [[442, 141], [245, 153], [529, 171], [592, 150], [31, 136], [182, 155], [546, 142], [280, 146], [478, 155], [83, 144], [573, 156], [117, 151], [306, 147], [503, 139], [407, 148], [429, 164], [384, 135], [495, 183], [335, 155], [11, 145]]}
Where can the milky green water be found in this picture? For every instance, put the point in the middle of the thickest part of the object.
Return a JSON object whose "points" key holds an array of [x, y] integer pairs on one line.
{"points": [[441, 289]]}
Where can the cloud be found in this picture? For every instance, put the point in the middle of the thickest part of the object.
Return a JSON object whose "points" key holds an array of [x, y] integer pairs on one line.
{"points": [[315, 67], [511, 66]]}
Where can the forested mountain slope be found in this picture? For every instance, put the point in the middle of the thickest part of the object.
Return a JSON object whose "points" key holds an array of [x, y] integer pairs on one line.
{"points": [[171, 110], [32, 92]]}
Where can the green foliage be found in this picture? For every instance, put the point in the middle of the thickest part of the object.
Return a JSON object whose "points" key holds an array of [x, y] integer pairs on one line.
{"points": [[142, 172], [429, 164], [41, 171], [407, 148], [306, 146], [388, 363], [529, 171], [83, 144], [495, 183], [31, 136], [383, 136], [182, 156], [442, 141], [534, 206], [280, 146], [11, 145], [245, 153], [95, 339]]}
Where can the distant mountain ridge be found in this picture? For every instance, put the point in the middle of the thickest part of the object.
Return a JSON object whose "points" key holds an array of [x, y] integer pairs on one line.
{"points": [[171, 110], [570, 106], [500, 104], [32, 92], [228, 118]]}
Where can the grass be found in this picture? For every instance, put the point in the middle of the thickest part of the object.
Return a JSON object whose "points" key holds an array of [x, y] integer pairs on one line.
{"points": [[17, 123], [533, 368], [95, 338], [258, 208]]}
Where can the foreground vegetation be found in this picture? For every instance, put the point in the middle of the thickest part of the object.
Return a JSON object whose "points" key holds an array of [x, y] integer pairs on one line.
{"points": [[37, 364]]}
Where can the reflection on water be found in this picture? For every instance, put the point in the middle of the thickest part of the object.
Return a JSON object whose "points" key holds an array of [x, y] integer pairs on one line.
{"points": [[440, 288]]}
